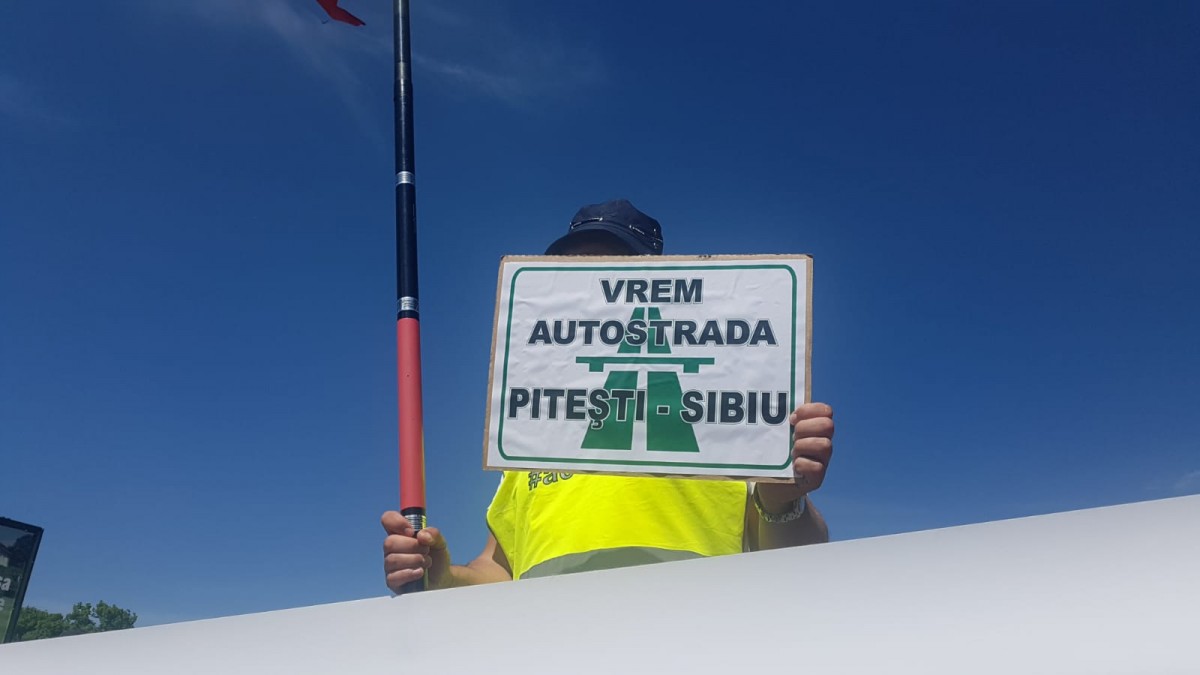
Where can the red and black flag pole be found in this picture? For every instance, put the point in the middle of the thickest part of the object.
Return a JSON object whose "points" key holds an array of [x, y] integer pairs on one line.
{"points": [[408, 313], [408, 331]]}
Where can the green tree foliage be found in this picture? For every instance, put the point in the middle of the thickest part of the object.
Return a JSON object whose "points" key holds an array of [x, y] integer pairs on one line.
{"points": [[37, 624]]}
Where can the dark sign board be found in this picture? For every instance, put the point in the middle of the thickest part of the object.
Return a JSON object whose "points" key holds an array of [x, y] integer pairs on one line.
{"points": [[18, 547]]}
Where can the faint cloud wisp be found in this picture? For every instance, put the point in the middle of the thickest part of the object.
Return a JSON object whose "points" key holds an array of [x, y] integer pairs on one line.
{"points": [[475, 51], [480, 52], [20, 102], [1188, 483], [326, 50], [513, 87]]}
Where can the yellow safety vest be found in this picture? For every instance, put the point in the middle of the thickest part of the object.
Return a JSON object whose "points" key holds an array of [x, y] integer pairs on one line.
{"points": [[556, 523]]}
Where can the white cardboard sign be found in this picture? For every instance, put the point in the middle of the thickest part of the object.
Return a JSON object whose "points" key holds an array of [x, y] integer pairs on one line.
{"points": [[649, 365]]}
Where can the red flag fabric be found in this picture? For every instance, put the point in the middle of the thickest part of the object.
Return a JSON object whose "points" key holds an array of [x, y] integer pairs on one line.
{"points": [[338, 14]]}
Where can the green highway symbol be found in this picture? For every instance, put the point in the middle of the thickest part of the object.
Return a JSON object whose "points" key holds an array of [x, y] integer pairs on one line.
{"points": [[665, 428], [690, 365]]}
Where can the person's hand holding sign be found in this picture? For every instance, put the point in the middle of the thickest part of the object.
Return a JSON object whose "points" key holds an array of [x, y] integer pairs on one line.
{"points": [[786, 517], [812, 444]]}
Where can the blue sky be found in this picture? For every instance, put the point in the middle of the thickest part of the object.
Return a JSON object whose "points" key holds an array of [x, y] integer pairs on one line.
{"points": [[197, 368]]}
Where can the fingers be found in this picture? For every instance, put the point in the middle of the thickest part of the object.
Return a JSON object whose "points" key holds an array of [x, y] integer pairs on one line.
{"points": [[405, 559], [397, 579], [817, 427], [817, 449], [397, 525], [394, 523], [812, 423], [806, 411], [432, 539], [396, 543], [809, 474], [812, 443], [407, 554], [401, 568], [811, 462]]}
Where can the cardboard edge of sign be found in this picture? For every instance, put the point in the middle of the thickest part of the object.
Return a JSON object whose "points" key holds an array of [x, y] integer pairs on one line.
{"points": [[487, 422]]}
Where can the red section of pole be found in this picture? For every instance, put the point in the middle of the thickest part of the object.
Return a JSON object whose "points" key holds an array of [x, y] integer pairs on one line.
{"points": [[412, 441]]}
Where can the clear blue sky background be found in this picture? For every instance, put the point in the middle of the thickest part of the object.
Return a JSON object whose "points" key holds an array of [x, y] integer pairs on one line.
{"points": [[197, 368]]}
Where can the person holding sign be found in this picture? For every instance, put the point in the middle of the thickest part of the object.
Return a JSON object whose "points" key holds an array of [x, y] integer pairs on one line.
{"points": [[555, 522]]}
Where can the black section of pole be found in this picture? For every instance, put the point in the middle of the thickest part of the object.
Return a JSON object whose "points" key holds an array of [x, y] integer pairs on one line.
{"points": [[406, 187]]}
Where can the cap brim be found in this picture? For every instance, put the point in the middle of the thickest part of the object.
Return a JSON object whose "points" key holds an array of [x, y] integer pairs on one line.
{"points": [[591, 242], [598, 239]]}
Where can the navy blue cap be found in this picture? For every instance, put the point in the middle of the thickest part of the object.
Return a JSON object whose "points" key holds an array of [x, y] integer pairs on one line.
{"points": [[636, 230]]}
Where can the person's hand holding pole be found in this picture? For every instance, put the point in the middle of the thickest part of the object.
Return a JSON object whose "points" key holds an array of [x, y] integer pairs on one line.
{"points": [[409, 555]]}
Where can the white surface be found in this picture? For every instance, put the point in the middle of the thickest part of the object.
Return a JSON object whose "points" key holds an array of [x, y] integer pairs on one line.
{"points": [[764, 351], [1112, 590]]}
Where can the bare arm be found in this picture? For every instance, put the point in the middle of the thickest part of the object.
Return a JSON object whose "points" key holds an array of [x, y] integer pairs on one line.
{"points": [[812, 448], [489, 567], [809, 528]]}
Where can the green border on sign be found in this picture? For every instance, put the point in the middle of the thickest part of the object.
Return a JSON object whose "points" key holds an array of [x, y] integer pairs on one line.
{"points": [[629, 462]]}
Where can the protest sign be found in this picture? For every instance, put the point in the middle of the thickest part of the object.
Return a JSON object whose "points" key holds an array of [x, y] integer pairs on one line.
{"points": [[18, 549], [676, 365]]}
